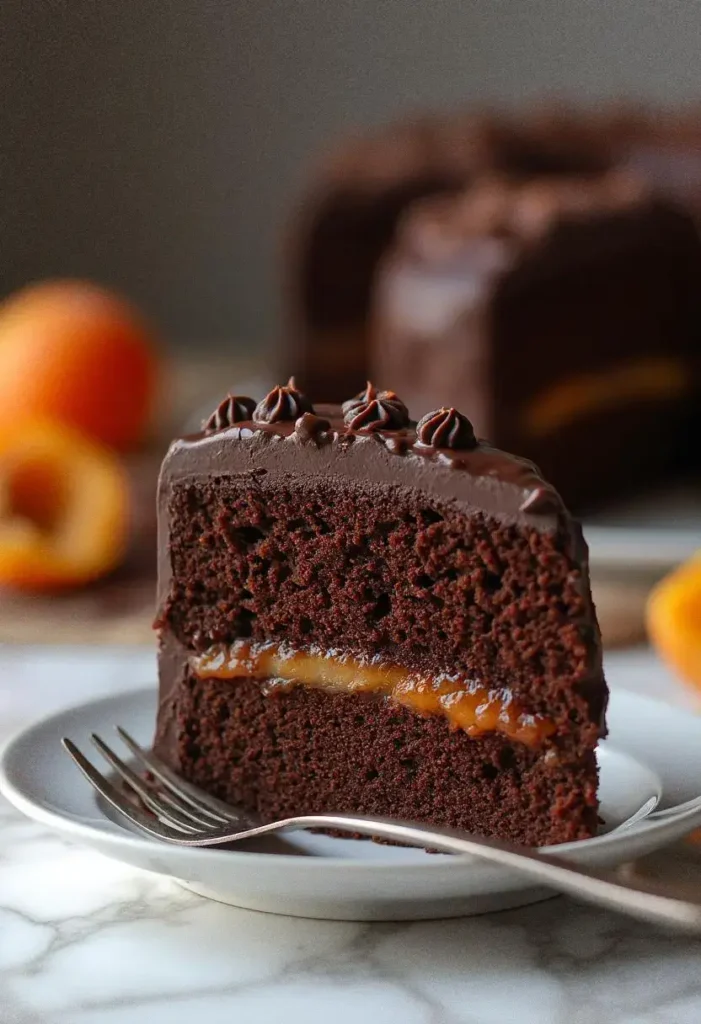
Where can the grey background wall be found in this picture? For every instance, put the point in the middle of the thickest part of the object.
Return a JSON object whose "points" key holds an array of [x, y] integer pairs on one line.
{"points": [[158, 145]]}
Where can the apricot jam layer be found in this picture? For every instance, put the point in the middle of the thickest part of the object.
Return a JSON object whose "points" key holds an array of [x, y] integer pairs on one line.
{"points": [[464, 703]]}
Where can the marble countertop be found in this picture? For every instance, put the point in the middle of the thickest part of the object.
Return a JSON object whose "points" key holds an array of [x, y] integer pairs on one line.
{"points": [[85, 940]]}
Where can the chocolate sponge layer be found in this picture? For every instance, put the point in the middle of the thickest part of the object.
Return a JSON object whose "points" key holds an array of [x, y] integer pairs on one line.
{"points": [[299, 751], [387, 574]]}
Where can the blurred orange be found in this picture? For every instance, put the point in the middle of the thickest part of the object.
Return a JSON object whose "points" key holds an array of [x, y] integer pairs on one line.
{"points": [[63, 507], [72, 351], [674, 620]]}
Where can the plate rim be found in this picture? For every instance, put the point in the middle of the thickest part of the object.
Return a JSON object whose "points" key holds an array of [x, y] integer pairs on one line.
{"points": [[64, 823]]}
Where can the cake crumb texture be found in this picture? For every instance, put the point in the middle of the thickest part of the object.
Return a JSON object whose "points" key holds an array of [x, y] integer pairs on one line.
{"points": [[386, 573], [299, 751]]}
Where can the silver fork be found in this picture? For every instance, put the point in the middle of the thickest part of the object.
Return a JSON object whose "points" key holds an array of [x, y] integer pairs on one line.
{"points": [[186, 816]]}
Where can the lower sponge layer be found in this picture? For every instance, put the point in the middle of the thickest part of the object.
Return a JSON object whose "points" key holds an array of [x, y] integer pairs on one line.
{"points": [[302, 751]]}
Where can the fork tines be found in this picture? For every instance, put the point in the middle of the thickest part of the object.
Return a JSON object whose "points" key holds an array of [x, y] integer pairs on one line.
{"points": [[177, 808]]}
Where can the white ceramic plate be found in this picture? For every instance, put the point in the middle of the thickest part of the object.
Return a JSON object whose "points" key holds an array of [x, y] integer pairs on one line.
{"points": [[652, 749]]}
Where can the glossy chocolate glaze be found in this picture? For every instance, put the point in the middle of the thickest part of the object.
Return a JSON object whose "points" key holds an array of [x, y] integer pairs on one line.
{"points": [[487, 478], [482, 479]]}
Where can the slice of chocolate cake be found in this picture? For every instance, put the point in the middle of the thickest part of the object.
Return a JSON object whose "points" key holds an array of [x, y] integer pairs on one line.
{"points": [[362, 614], [565, 314]]}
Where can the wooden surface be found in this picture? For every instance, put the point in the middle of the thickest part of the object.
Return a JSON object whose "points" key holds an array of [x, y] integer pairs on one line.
{"points": [[120, 610]]}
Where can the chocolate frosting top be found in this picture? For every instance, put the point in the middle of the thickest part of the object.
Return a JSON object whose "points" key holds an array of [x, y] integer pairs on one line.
{"points": [[322, 444], [555, 139], [482, 477], [514, 214]]}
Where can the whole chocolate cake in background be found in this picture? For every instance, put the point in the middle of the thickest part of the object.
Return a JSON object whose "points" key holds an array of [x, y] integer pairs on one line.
{"points": [[565, 313], [359, 613], [349, 216], [349, 223], [662, 147]]}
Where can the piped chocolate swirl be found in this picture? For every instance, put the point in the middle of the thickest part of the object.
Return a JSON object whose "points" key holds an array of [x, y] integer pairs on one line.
{"points": [[232, 409], [374, 410], [282, 404], [445, 428]]}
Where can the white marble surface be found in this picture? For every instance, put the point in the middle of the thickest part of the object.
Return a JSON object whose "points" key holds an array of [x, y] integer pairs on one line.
{"points": [[84, 940]]}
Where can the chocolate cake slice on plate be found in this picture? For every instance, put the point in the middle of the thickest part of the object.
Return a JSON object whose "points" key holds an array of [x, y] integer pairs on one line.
{"points": [[359, 613]]}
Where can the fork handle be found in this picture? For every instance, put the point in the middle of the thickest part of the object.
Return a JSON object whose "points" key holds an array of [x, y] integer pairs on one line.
{"points": [[654, 902]]}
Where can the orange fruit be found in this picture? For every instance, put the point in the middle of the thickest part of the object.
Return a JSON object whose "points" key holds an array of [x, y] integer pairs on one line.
{"points": [[63, 507], [674, 620], [72, 351]]}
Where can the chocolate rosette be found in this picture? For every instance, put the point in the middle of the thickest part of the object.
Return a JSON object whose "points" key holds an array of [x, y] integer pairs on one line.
{"points": [[232, 409], [284, 403], [445, 428], [374, 410]]}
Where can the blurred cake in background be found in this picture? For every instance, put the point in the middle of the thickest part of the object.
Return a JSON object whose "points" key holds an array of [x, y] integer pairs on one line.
{"points": [[367, 300], [665, 150], [663, 147], [350, 214], [564, 313]]}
